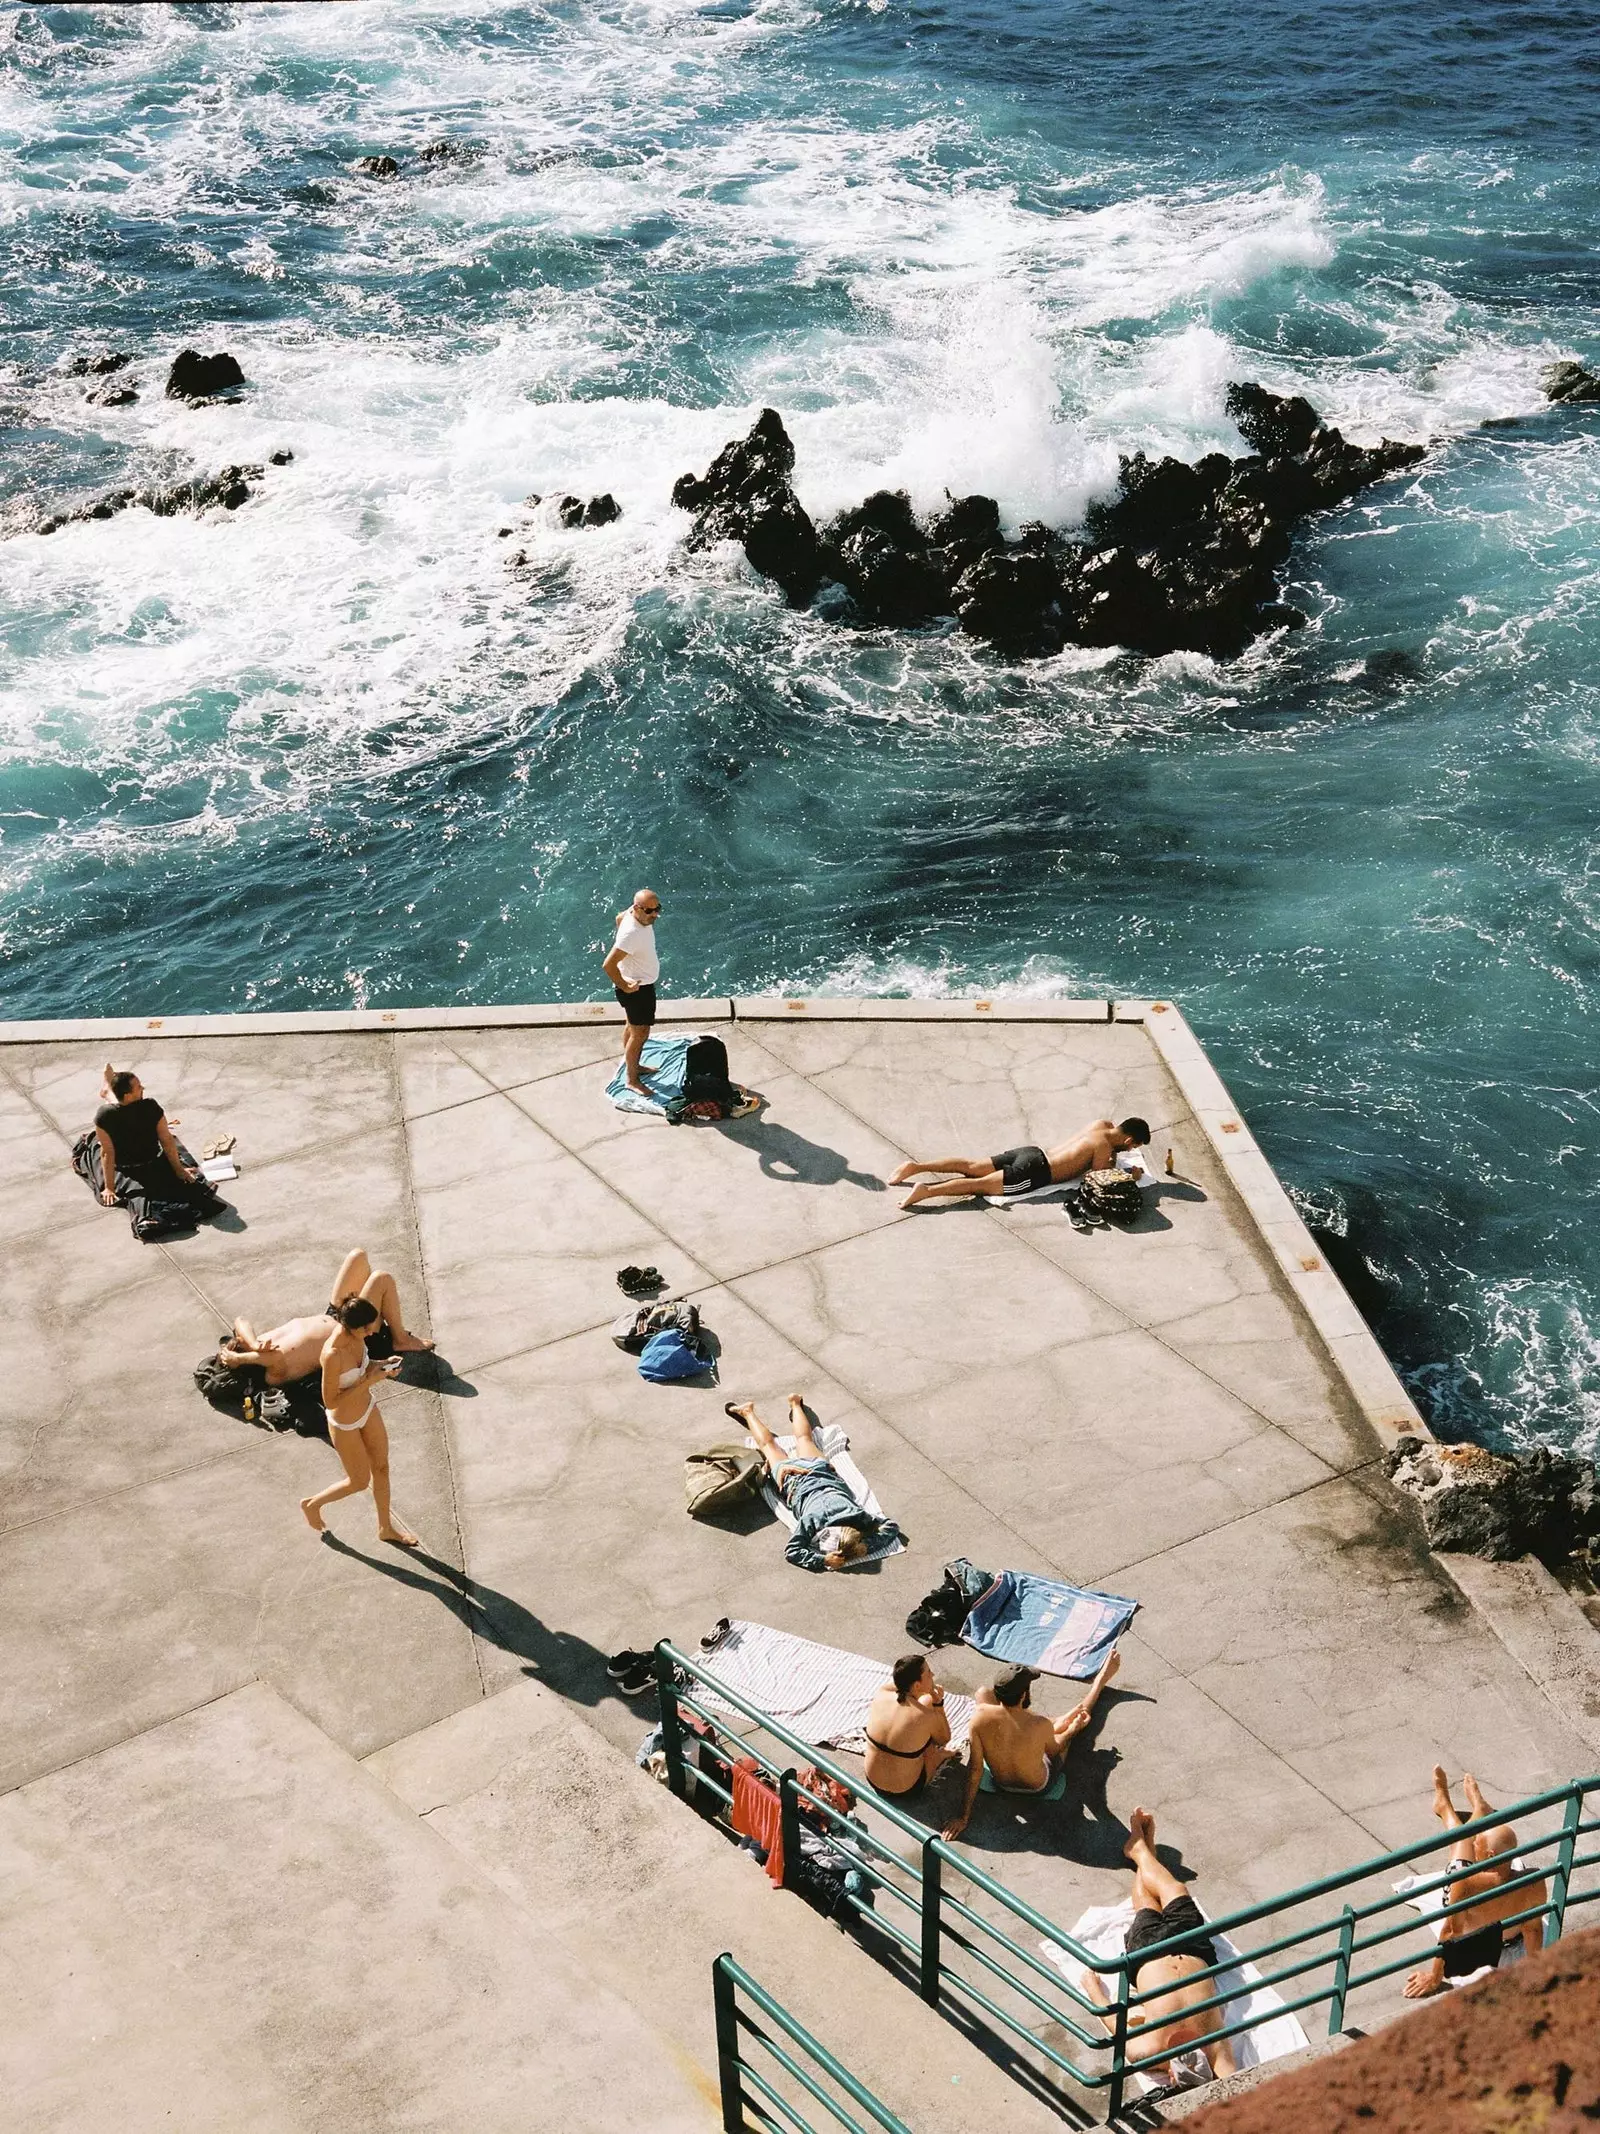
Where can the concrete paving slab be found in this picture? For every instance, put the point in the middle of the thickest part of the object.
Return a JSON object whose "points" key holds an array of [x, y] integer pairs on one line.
{"points": [[351, 1964]]}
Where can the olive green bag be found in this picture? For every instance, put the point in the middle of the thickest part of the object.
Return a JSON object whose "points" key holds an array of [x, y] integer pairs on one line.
{"points": [[721, 1478]]}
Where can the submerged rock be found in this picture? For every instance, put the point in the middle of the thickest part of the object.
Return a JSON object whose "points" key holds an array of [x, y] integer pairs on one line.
{"points": [[1477, 1503], [100, 364], [376, 166], [601, 510], [438, 152], [1569, 381], [229, 487], [114, 393], [1184, 558], [197, 377]]}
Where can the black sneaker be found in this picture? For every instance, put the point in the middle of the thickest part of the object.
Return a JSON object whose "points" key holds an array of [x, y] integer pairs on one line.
{"points": [[639, 1281], [640, 1682], [628, 1662]]}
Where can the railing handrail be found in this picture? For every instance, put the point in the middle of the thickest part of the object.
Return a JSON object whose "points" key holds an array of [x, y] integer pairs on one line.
{"points": [[727, 1974], [932, 1855]]}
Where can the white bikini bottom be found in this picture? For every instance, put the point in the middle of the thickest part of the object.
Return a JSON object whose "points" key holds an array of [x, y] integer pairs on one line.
{"points": [[360, 1420]]}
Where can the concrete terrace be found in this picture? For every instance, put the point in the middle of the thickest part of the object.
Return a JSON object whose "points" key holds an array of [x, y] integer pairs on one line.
{"points": [[1190, 1413]]}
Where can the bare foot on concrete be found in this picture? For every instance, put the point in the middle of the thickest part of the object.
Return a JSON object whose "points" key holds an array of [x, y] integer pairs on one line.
{"points": [[313, 1516], [1474, 1794], [401, 1535], [742, 1410], [1141, 1831], [906, 1171], [411, 1344], [915, 1197]]}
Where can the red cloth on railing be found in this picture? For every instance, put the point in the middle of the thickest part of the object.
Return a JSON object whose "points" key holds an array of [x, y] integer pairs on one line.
{"points": [[758, 1814]]}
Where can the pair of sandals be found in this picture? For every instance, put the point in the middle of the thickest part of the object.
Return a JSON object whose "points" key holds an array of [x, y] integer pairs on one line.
{"points": [[219, 1145], [640, 1281]]}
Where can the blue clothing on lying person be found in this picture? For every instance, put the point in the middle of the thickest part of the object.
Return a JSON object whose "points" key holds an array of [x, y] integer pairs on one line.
{"points": [[1043, 1623], [818, 1497]]}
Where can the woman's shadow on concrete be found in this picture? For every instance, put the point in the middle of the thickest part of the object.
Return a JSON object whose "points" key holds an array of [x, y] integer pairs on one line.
{"points": [[790, 1157], [568, 1664]]}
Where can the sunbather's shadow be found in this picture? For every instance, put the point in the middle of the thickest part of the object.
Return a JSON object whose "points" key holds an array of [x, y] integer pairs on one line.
{"points": [[228, 1219], [786, 1155], [1177, 1189], [561, 1661]]}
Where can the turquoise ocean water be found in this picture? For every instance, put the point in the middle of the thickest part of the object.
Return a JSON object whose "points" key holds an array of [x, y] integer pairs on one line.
{"points": [[330, 750]]}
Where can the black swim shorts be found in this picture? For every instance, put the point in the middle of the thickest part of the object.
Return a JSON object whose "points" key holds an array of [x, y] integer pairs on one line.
{"points": [[1024, 1170], [639, 1006], [1181, 1916]]}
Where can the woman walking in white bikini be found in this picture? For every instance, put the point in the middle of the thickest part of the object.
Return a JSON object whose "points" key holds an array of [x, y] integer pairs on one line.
{"points": [[354, 1424]]}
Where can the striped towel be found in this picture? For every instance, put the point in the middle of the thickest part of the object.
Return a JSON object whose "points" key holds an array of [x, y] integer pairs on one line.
{"points": [[816, 1691], [834, 1445]]}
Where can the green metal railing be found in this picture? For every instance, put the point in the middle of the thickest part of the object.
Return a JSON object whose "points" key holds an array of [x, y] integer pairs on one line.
{"points": [[960, 1943], [739, 2034]]}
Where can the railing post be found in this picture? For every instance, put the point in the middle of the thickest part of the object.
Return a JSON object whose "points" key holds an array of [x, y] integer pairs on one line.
{"points": [[1341, 1971], [671, 1727], [1119, 2046], [789, 1825], [1563, 1873], [932, 1926], [732, 2088]]}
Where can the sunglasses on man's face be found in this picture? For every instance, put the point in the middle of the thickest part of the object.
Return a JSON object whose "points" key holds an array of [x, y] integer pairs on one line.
{"points": [[649, 911]]}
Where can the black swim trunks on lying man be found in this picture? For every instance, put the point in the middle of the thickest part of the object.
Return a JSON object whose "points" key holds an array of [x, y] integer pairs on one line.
{"points": [[1474, 1952], [639, 1006], [1182, 1916], [1024, 1170]]}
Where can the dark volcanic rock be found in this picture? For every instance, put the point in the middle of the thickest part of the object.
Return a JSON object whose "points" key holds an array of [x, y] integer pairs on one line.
{"points": [[450, 152], [197, 377], [1184, 557], [115, 393], [1569, 381], [229, 487], [376, 166], [569, 511], [746, 495], [601, 510], [1475, 1503], [99, 365], [281, 458]]}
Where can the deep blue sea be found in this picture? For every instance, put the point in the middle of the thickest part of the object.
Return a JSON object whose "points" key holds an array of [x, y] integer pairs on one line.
{"points": [[329, 750]]}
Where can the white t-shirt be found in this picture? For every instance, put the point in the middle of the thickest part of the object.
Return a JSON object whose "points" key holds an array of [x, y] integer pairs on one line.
{"points": [[640, 963]]}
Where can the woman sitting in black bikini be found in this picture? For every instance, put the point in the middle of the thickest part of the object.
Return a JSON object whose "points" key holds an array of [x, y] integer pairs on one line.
{"points": [[907, 1732]]}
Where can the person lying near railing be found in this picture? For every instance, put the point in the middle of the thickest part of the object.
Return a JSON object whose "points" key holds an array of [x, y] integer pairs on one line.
{"points": [[907, 1732], [1023, 1170], [832, 1528], [294, 1349], [1024, 1751], [1162, 1911], [1472, 1937]]}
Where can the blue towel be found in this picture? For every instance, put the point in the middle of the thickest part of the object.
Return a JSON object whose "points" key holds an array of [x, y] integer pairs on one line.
{"points": [[1039, 1622], [666, 1063]]}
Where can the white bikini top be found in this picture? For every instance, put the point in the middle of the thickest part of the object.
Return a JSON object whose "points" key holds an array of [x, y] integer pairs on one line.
{"points": [[348, 1378]]}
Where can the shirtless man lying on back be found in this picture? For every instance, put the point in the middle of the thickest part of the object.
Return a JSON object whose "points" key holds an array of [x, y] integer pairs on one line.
{"points": [[1026, 1169], [1472, 1935], [294, 1349], [1023, 1749]]}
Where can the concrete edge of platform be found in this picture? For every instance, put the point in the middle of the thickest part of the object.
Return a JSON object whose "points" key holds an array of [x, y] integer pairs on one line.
{"points": [[774, 1007]]}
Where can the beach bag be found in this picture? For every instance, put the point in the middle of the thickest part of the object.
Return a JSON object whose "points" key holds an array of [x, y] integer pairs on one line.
{"points": [[635, 1328], [720, 1479], [1110, 1197], [224, 1385], [667, 1357]]}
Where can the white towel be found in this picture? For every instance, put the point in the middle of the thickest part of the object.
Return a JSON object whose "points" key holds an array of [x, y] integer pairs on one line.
{"points": [[834, 1446], [816, 1691], [1103, 1932]]}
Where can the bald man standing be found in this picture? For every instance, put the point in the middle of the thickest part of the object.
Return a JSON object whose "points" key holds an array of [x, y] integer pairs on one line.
{"points": [[633, 968]]}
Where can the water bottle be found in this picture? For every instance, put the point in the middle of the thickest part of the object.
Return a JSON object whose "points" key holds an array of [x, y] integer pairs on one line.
{"points": [[249, 1404]]}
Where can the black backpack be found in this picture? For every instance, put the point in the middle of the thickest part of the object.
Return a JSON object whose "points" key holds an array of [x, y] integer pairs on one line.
{"points": [[225, 1385], [1110, 1196], [634, 1328]]}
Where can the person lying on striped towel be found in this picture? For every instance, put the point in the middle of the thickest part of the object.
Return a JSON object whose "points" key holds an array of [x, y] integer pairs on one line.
{"points": [[832, 1528]]}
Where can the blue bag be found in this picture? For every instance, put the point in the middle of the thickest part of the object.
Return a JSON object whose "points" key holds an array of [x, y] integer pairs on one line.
{"points": [[668, 1356]]}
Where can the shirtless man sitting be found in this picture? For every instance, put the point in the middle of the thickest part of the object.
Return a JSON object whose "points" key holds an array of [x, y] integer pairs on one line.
{"points": [[294, 1350], [1163, 1909], [908, 1734], [1473, 1935], [1023, 1749], [1026, 1169]]}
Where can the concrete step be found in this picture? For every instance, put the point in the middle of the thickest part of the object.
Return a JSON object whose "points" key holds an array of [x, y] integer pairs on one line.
{"points": [[1172, 2110], [646, 1895], [226, 1924]]}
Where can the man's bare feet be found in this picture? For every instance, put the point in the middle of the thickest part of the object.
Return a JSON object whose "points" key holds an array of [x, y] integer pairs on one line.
{"points": [[905, 1172], [1141, 1831], [402, 1535], [1112, 1667], [411, 1344], [1443, 1806], [915, 1197], [313, 1516], [1474, 1794]]}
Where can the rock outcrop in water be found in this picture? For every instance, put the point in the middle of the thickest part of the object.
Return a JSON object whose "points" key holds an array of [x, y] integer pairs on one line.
{"points": [[1569, 382], [229, 487], [1186, 558], [197, 377], [1475, 1503]]}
